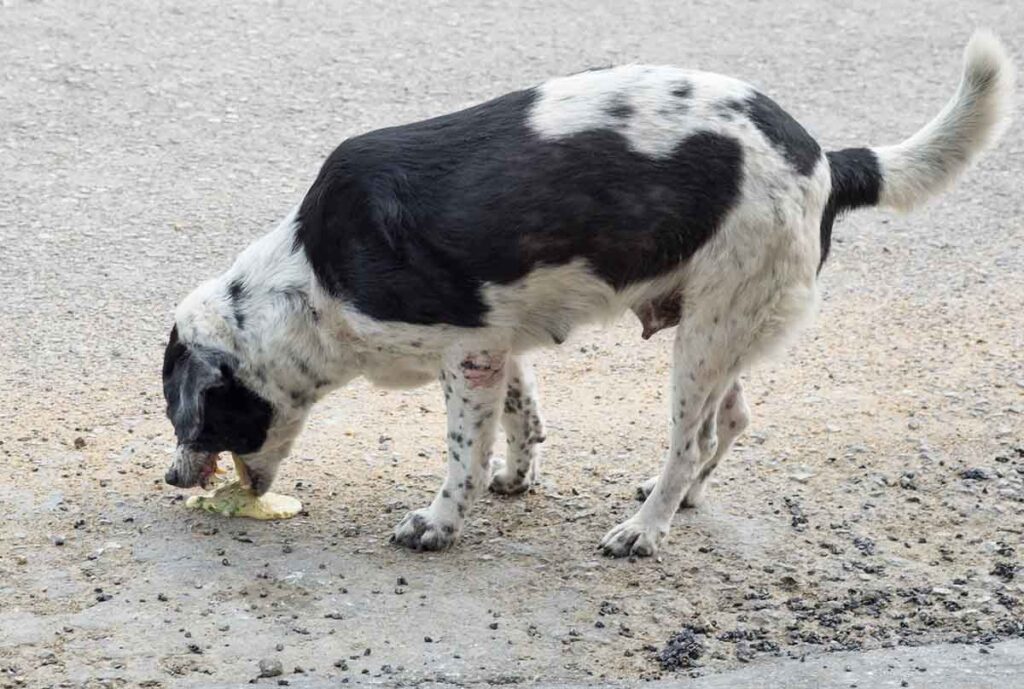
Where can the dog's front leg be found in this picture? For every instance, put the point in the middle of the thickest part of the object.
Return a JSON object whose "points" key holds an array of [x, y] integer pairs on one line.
{"points": [[474, 389]]}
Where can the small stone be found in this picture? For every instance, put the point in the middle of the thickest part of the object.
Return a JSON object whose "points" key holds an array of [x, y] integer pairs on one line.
{"points": [[58, 540], [975, 474], [20, 560], [270, 667], [493, 625], [402, 581], [341, 664], [79, 443], [802, 475], [914, 424]]}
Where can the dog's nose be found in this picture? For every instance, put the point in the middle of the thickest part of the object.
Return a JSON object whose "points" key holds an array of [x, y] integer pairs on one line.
{"points": [[171, 477]]}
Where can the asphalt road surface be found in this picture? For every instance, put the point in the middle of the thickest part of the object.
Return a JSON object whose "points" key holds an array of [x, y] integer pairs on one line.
{"points": [[875, 506]]}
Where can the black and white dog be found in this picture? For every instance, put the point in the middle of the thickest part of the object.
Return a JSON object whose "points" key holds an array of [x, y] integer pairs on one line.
{"points": [[452, 246]]}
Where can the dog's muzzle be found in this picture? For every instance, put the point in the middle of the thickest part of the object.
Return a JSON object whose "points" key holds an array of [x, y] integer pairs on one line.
{"points": [[191, 468]]}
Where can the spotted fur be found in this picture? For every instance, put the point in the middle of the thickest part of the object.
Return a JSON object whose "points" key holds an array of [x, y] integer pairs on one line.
{"points": [[447, 249]]}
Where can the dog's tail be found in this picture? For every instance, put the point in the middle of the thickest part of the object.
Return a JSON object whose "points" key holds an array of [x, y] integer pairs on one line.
{"points": [[907, 174]]}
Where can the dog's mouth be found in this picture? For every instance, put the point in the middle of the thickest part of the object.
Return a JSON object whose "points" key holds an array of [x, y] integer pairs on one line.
{"points": [[208, 470], [191, 468]]}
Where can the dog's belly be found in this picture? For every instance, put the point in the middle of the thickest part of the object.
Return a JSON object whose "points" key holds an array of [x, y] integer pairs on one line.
{"points": [[401, 373], [545, 306]]}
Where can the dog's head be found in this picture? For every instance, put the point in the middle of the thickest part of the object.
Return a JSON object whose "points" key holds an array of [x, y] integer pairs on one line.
{"points": [[211, 409]]}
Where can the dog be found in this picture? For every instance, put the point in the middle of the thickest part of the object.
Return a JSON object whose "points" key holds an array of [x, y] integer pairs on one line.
{"points": [[451, 247]]}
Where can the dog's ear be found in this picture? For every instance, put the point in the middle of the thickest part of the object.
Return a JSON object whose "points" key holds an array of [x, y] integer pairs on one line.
{"points": [[190, 373]]}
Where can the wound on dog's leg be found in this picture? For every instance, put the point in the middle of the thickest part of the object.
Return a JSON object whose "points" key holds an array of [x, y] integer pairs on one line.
{"points": [[483, 369]]}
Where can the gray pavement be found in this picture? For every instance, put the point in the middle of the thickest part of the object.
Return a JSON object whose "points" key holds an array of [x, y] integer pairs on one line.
{"points": [[144, 143]]}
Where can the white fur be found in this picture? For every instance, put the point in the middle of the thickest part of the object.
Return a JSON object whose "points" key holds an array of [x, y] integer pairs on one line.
{"points": [[974, 118], [581, 102]]}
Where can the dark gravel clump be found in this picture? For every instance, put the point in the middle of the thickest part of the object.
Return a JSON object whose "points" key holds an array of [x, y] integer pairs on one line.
{"points": [[683, 650]]}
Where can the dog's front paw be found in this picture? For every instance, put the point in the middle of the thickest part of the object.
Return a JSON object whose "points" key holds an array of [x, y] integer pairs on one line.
{"points": [[632, 537], [422, 530], [507, 481]]}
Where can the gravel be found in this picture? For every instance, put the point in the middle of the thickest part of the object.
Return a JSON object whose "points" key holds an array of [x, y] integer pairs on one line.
{"points": [[145, 144], [271, 667]]}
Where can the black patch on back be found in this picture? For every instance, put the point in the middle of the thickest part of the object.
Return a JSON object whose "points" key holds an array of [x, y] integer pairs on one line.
{"points": [[785, 133], [619, 108], [408, 222], [682, 90], [237, 293], [856, 182], [210, 409]]}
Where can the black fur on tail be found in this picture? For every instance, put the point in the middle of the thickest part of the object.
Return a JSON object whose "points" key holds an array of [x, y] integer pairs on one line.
{"points": [[856, 182]]}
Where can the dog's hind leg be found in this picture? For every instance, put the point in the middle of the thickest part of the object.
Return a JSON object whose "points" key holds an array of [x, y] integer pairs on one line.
{"points": [[703, 366], [524, 430], [732, 418], [474, 386]]}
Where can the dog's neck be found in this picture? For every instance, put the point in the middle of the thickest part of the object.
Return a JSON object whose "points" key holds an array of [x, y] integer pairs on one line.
{"points": [[264, 311]]}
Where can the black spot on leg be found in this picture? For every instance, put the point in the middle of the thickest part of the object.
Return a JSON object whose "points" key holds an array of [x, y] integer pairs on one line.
{"points": [[689, 444], [732, 424], [445, 494], [469, 483]]}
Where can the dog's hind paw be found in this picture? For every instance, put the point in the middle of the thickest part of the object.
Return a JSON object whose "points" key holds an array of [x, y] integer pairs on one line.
{"points": [[421, 530], [507, 481], [693, 498]]}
